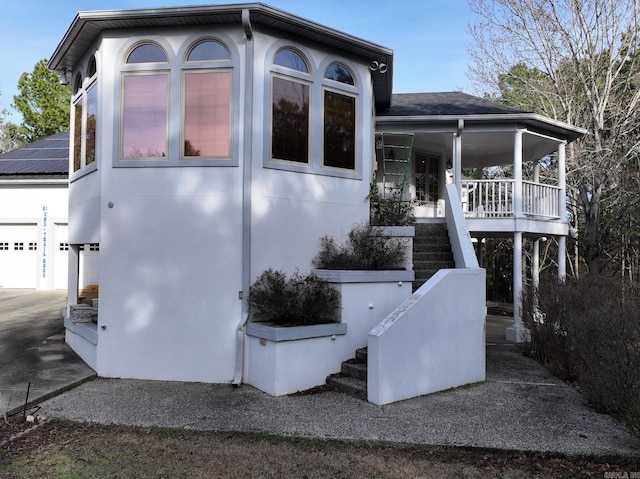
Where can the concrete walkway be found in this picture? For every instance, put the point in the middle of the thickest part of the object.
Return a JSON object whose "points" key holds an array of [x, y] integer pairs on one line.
{"points": [[520, 407]]}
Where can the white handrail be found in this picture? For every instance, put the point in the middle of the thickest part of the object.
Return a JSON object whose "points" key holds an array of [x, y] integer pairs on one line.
{"points": [[494, 199]]}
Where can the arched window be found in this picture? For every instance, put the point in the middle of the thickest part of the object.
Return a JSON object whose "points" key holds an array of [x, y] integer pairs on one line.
{"points": [[340, 73], [290, 107], [208, 104], [145, 106], [339, 119], [147, 53], [289, 58], [77, 83], [208, 50], [91, 69]]}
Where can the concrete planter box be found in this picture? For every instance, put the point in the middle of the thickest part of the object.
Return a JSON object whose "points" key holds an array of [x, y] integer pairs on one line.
{"points": [[284, 360], [402, 233]]}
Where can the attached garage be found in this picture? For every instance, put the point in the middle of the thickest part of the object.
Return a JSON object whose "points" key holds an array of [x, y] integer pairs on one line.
{"points": [[34, 204]]}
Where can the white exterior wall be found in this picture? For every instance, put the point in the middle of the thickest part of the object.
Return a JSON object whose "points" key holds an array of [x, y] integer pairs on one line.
{"points": [[171, 237], [33, 211]]}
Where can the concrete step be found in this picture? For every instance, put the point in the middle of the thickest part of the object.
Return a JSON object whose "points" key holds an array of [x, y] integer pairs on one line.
{"points": [[355, 369], [361, 354], [432, 265], [430, 240], [433, 256], [348, 385]]}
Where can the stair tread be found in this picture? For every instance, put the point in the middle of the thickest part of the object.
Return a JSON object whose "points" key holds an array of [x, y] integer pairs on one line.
{"points": [[346, 384]]}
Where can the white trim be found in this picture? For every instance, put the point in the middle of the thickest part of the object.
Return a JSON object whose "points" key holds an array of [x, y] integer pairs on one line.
{"points": [[276, 333], [362, 276]]}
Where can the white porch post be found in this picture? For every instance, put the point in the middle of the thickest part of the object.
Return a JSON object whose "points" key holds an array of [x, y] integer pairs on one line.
{"points": [[517, 173], [73, 275], [516, 333], [457, 157], [535, 264], [562, 208]]}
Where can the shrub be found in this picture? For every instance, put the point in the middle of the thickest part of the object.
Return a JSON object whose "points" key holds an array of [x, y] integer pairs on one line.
{"points": [[588, 331], [362, 250], [295, 301], [393, 211]]}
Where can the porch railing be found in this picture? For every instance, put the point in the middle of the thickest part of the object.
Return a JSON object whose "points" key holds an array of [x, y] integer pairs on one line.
{"points": [[494, 199]]}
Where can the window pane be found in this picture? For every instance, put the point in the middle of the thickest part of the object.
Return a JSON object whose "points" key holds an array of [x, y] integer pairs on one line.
{"points": [[208, 50], [144, 116], [339, 130], [207, 114], [291, 59], [77, 135], [290, 120], [92, 113], [91, 69], [147, 53], [338, 72]]}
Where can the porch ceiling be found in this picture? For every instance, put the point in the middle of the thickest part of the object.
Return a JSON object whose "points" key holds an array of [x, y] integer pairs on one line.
{"points": [[483, 148]]}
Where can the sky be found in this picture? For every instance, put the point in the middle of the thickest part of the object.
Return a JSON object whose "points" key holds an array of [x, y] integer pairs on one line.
{"points": [[429, 37]]}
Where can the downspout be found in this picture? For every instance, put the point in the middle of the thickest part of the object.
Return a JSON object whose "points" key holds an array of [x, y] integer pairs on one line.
{"points": [[246, 197]]}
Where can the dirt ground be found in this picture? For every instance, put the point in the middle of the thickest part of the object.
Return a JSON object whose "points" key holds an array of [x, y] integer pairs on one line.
{"points": [[57, 449]]}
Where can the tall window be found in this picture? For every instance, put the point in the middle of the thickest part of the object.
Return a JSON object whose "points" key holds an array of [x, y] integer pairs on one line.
{"points": [[339, 119], [290, 110], [85, 110], [145, 108], [207, 102]]}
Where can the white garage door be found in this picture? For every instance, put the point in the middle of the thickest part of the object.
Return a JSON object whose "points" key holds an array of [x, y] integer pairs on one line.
{"points": [[61, 256], [18, 255]]}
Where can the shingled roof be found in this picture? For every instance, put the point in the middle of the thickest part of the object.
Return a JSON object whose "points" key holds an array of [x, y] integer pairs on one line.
{"points": [[444, 103], [47, 157]]}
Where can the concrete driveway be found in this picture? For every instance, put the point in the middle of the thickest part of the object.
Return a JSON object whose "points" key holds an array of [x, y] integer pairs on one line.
{"points": [[33, 354]]}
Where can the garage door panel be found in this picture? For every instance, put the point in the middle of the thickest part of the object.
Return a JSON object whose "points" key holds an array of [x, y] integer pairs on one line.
{"points": [[18, 255]]}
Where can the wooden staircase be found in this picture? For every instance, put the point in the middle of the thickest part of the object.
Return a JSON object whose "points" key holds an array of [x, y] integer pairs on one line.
{"points": [[431, 251]]}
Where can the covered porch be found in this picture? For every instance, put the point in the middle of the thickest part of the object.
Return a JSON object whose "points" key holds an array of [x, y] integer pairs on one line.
{"points": [[507, 165]]}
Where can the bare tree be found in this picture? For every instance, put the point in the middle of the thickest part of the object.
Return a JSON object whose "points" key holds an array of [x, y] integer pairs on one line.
{"points": [[581, 63]]}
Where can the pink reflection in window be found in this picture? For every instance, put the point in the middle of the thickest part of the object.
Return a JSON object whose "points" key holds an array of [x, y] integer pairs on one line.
{"points": [[207, 114], [144, 116]]}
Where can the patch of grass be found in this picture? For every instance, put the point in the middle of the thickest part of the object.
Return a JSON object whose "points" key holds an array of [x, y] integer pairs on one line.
{"points": [[68, 450]]}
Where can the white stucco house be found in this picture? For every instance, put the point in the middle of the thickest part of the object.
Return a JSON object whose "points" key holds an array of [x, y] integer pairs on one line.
{"points": [[34, 207], [210, 143]]}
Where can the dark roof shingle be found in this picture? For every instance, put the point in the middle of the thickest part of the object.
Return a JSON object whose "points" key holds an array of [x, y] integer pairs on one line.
{"points": [[444, 103]]}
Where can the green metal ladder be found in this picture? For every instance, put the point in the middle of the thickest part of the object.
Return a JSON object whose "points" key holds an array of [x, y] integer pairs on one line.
{"points": [[397, 149]]}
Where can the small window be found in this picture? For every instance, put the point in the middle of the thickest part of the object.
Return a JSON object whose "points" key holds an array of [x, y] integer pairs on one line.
{"points": [[33, 246], [340, 73], [4, 246], [18, 246], [208, 50], [147, 53], [291, 59], [64, 246], [94, 247]]}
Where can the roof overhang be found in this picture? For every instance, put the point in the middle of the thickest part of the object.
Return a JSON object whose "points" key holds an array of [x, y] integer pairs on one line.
{"points": [[537, 123], [487, 139], [87, 26]]}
